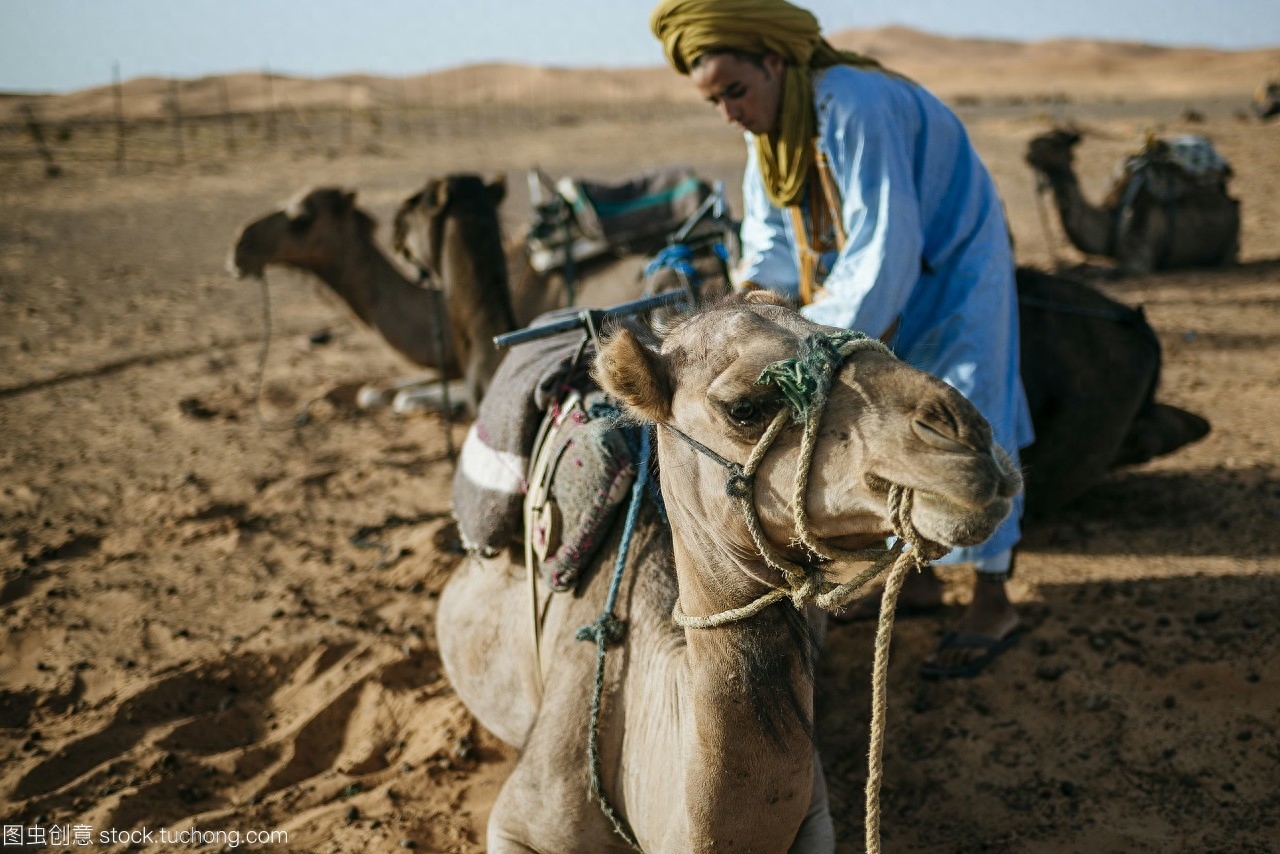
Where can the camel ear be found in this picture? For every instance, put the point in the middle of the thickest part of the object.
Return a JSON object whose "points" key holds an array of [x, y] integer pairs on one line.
{"points": [[440, 197], [635, 376], [763, 296], [348, 200], [497, 188]]}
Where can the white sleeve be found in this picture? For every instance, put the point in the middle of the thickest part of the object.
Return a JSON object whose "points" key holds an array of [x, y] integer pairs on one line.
{"points": [[768, 258], [875, 273]]}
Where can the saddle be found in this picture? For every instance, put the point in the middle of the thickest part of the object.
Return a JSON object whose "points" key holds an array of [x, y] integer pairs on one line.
{"points": [[1159, 162], [545, 465], [577, 220], [581, 473]]}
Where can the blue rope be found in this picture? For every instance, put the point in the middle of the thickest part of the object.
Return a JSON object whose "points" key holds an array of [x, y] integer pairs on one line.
{"points": [[677, 256], [609, 629]]}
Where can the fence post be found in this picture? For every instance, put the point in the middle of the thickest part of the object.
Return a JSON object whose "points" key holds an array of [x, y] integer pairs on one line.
{"points": [[51, 169], [177, 120], [120, 129]]}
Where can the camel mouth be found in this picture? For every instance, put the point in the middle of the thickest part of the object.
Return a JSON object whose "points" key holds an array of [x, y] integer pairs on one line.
{"points": [[967, 520], [240, 268], [965, 517], [942, 521]]}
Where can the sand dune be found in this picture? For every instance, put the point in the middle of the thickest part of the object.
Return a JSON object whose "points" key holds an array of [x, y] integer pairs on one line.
{"points": [[951, 67]]}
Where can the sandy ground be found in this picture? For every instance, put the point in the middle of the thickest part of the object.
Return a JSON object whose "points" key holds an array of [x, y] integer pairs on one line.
{"points": [[210, 619]]}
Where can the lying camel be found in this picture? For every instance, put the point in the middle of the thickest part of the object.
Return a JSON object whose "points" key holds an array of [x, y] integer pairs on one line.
{"points": [[705, 738], [1266, 100], [1155, 218], [1091, 367], [324, 233]]}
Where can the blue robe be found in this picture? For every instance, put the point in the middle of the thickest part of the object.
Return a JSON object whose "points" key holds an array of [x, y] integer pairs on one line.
{"points": [[927, 246]]}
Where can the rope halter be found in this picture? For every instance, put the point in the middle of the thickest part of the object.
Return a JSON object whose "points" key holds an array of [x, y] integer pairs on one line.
{"points": [[805, 384]]}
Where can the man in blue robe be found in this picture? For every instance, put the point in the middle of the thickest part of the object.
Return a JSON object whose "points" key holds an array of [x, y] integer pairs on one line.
{"points": [[865, 201]]}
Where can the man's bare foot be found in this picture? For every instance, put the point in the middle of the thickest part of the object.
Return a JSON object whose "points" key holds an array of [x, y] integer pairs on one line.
{"points": [[921, 593], [987, 628]]}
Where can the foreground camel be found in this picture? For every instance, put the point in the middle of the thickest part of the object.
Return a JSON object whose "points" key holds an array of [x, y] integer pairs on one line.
{"points": [[1171, 221], [323, 232], [705, 739]]}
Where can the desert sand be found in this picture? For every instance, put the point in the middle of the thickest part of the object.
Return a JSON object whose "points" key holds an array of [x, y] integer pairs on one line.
{"points": [[212, 618]]}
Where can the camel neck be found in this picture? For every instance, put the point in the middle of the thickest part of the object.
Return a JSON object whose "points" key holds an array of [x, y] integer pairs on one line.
{"points": [[385, 299], [1089, 228], [746, 712]]}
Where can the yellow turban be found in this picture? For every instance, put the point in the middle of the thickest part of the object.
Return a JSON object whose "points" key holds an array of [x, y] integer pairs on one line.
{"points": [[689, 28]]}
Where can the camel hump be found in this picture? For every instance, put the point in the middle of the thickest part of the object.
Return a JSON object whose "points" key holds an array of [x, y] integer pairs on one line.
{"points": [[1192, 155], [1168, 169]]}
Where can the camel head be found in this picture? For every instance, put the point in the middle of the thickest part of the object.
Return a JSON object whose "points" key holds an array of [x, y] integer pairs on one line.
{"points": [[306, 233], [885, 424], [1052, 153], [1266, 100], [415, 230]]}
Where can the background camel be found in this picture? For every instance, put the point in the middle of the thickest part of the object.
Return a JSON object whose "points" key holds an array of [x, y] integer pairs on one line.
{"points": [[1266, 100], [706, 734], [1165, 220], [460, 252], [600, 281], [323, 232], [1091, 368]]}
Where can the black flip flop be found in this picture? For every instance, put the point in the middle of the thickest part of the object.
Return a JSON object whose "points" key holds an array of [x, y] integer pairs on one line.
{"points": [[969, 669]]}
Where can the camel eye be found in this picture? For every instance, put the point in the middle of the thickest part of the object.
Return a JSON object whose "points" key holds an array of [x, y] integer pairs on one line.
{"points": [[742, 410]]}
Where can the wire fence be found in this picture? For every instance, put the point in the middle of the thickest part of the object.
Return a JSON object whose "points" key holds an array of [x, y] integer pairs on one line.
{"points": [[377, 112]]}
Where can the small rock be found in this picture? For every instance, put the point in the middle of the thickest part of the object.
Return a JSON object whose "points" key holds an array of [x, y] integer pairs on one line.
{"points": [[353, 814], [1207, 616], [1050, 671], [408, 843], [1097, 702], [193, 408]]}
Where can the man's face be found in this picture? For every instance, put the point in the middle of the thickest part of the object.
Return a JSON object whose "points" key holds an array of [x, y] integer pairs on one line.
{"points": [[746, 94]]}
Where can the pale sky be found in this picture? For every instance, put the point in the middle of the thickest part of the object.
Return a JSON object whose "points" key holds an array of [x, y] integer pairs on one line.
{"points": [[62, 45]]}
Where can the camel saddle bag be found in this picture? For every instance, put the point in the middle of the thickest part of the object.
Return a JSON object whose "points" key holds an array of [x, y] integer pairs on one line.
{"points": [[580, 474]]}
